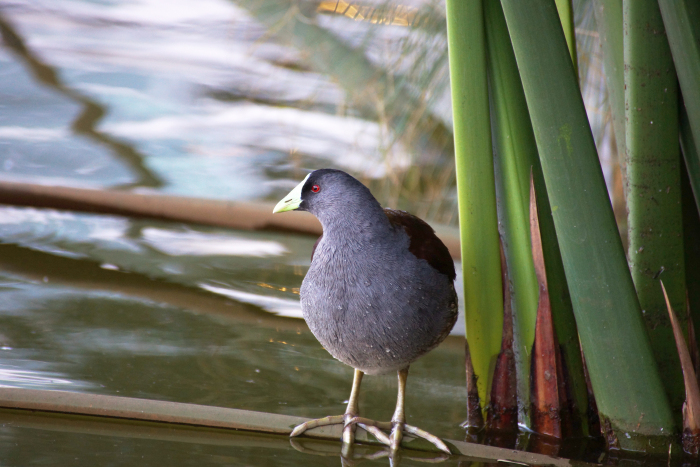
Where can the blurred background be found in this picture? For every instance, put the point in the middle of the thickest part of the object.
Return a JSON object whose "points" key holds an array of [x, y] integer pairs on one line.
{"points": [[228, 100]]}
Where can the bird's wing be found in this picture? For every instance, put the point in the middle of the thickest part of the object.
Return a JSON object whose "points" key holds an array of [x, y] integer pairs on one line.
{"points": [[424, 243]]}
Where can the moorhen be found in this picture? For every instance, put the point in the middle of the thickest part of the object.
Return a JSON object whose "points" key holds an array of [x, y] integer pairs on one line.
{"points": [[379, 292]]}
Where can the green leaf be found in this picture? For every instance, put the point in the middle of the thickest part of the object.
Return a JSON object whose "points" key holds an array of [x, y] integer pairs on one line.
{"points": [[655, 220], [682, 20], [690, 154], [478, 221], [608, 16], [612, 332], [565, 9], [516, 158]]}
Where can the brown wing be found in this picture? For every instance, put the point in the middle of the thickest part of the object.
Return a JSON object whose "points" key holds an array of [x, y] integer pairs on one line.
{"points": [[424, 243]]}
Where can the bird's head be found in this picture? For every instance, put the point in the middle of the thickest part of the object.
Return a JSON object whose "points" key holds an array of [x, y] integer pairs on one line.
{"points": [[327, 192]]}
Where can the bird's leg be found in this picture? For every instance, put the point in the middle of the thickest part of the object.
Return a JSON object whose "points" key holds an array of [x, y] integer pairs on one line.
{"points": [[350, 419], [398, 421], [351, 412]]}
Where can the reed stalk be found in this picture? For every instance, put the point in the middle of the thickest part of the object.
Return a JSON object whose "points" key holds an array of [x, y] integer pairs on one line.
{"points": [[618, 354], [516, 159], [655, 220], [478, 220]]}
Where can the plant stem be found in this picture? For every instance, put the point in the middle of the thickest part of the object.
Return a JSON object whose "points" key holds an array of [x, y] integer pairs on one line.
{"points": [[608, 16], [516, 157], [655, 219], [565, 9], [612, 332], [475, 184], [682, 21]]}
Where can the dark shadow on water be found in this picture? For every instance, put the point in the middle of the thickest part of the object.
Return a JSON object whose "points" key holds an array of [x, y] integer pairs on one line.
{"points": [[86, 122]]}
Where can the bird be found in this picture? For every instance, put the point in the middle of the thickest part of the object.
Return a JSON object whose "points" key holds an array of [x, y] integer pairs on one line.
{"points": [[379, 293]]}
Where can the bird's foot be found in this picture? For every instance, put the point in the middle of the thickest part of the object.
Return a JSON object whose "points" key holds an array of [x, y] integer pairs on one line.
{"points": [[397, 431], [348, 427]]}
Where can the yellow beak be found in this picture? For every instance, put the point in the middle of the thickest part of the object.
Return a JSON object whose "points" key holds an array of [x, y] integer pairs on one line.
{"points": [[292, 200]]}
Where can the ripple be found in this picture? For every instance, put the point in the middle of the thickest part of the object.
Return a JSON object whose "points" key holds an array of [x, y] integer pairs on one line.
{"points": [[11, 377], [192, 243], [279, 306]]}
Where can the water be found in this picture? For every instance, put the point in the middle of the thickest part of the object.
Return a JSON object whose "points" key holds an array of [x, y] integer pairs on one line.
{"points": [[69, 323]]}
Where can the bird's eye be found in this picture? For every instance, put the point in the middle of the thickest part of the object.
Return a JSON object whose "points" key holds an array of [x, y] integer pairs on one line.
{"points": [[315, 188]]}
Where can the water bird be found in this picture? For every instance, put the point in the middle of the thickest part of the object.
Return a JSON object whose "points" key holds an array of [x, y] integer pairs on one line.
{"points": [[379, 292]]}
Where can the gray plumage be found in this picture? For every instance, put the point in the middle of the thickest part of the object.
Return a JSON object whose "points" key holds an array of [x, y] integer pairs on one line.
{"points": [[370, 301]]}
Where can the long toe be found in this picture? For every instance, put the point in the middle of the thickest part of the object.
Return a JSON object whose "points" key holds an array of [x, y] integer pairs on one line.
{"points": [[373, 427], [437, 442], [367, 421], [333, 420]]}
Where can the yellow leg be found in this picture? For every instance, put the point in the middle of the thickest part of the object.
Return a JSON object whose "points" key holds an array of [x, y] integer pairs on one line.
{"points": [[351, 419], [353, 408], [398, 422], [399, 419], [351, 412]]}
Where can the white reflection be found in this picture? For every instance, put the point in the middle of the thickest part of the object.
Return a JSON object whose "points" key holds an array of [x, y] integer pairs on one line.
{"points": [[31, 224], [204, 244], [10, 377], [279, 306], [349, 142], [32, 134], [292, 308]]}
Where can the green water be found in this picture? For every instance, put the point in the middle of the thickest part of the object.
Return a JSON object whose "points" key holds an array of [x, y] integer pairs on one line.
{"points": [[83, 328], [69, 324]]}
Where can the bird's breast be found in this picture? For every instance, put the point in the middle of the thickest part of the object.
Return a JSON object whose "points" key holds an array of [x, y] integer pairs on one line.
{"points": [[374, 307]]}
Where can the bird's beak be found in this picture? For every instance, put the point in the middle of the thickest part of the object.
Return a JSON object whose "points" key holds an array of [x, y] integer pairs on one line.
{"points": [[292, 200]]}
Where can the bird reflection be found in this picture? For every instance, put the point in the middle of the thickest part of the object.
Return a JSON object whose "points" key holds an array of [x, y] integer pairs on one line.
{"points": [[354, 454]]}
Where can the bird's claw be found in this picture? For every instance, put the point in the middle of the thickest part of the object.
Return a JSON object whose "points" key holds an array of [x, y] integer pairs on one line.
{"points": [[397, 431]]}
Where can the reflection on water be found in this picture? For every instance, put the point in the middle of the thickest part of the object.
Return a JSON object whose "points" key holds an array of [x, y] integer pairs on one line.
{"points": [[33, 379], [279, 306], [227, 99], [201, 244], [27, 439], [135, 330], [109, 343], [29, 102], [263, 269]]}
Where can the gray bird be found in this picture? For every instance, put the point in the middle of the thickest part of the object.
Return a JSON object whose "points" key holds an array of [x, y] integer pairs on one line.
{"points": [[379, 292]]}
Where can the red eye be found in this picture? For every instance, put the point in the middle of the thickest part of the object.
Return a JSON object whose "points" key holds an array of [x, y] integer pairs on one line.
{"points": [[315, 188]]}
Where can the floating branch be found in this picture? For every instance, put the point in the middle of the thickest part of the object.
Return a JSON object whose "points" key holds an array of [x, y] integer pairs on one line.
{"points": [[235, 215]]}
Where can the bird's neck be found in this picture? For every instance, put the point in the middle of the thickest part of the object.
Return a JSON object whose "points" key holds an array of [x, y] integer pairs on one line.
{"points": [[356, 225]]}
